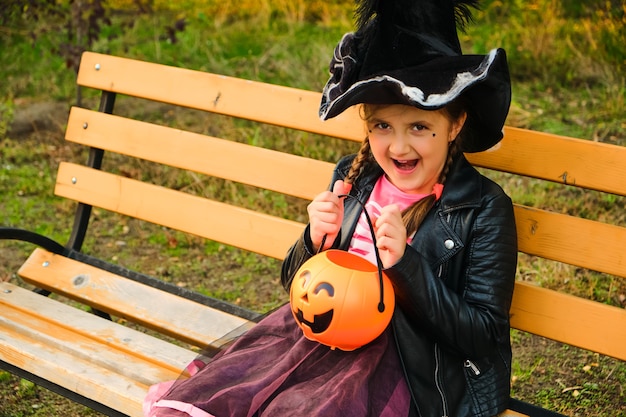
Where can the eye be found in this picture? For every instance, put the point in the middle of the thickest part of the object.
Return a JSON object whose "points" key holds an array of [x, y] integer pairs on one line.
{"points": [[324, 286], [305, 277], [380, 126], [418, 127]]}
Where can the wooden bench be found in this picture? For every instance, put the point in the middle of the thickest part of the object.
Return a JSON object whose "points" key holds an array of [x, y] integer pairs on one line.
{"points": [[109, 366]]}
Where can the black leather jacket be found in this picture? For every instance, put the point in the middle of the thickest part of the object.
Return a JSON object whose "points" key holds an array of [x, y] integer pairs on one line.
{"points": [[453, 291]]}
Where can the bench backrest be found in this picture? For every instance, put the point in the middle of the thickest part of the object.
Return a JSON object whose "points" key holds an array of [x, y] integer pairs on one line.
{"points": [[569, 239]]}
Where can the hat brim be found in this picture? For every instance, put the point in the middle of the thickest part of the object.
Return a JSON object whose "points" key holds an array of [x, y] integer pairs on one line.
{"points": [[482, 79]]}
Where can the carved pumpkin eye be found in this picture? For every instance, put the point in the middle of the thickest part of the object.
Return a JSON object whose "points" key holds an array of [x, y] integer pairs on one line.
{"points": [[304, 278], [326, 287]]}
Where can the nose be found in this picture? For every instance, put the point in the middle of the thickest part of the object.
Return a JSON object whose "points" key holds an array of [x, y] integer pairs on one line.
{"points": [[399, 145]]}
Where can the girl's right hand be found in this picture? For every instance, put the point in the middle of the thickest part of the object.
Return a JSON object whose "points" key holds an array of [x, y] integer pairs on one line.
{"points": [[326, 215]]}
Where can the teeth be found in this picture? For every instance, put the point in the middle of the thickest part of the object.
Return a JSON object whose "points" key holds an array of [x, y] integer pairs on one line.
{"points": [[405, 163]]}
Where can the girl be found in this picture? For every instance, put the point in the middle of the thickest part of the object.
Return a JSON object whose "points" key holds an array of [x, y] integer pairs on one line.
{"points": [[446, 236]]}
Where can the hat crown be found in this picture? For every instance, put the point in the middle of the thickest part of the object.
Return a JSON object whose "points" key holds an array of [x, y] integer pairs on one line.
{"points": [[406, 33], [411, 37]]}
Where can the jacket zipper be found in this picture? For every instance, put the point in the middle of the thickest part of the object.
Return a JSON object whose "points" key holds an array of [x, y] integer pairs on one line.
{"points": [[444, 403], [472, 366]]}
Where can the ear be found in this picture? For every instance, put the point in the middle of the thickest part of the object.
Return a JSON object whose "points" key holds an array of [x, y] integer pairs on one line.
{"points": [[457, 125]]}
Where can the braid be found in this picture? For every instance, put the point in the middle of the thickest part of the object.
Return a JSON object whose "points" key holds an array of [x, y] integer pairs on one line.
{"points": [[358, 164], [413, 215], [452, 151]]}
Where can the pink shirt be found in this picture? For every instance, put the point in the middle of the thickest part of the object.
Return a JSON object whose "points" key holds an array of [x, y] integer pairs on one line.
{"points": [[384, 194]]}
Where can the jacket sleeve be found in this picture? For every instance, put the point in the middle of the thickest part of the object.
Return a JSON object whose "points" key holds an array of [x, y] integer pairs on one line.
{"points": [[473, 318], [298, 254]]}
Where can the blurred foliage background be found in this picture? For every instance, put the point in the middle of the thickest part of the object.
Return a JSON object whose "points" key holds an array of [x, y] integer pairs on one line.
{"points": [[561, 52]]}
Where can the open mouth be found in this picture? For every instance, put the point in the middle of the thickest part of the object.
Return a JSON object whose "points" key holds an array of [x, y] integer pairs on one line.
{"points": [[405, 165], [320, 321]]}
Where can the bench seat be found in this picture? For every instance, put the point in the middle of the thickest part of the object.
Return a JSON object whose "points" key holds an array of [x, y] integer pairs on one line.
{"points": [[182, 319], [103, 361]]}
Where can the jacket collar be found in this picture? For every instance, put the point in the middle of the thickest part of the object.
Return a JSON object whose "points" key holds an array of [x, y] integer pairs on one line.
{"points": [[462, 187]]}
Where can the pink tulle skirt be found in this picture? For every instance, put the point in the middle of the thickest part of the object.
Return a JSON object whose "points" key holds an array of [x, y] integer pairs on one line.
{"points": [[273, 371]]}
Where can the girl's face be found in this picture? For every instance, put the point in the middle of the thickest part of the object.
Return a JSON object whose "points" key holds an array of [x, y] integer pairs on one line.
{"points": [[411, 144]]}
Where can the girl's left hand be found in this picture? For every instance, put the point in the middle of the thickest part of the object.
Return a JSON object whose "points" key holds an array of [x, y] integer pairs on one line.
{"points": [[390, 235]]}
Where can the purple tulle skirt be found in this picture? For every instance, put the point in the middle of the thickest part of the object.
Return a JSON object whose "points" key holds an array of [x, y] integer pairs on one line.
{"points": [[273, 370]]}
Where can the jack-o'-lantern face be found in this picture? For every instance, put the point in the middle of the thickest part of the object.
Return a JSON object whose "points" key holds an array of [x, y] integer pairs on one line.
{"points": [[335, 298], [323, 293]]}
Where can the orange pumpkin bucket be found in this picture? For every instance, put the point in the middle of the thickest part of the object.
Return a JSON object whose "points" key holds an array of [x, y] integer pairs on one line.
{"points": [[337, 300], [340, 299]]}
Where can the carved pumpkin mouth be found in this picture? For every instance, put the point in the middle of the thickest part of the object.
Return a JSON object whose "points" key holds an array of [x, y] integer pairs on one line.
{"points": [[320, 323]]}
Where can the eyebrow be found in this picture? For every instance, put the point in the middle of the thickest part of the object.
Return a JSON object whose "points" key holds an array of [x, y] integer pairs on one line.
{"points": [[420, 122], [375, 120]]}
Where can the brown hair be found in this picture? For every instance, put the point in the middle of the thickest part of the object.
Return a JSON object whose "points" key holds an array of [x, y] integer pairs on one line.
{"points": [[414, 214]]}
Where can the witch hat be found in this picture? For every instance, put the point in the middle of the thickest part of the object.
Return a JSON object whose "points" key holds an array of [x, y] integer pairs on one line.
{"points": [[408, 52]]}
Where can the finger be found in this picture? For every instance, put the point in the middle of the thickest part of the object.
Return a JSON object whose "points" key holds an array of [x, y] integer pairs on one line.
{"points": [[341, 187], [338, 187]]}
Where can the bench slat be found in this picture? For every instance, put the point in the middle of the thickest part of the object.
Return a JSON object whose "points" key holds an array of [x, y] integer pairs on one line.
{"points": [[559, 159], [572, 240], [289, 107], [226, 159], [84, 353], [243, 228], [105, 387], [572, 320], [547, 156], [192, 323]]}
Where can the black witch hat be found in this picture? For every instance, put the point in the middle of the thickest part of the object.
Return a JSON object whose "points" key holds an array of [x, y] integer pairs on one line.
{"points": [[408, 52]]}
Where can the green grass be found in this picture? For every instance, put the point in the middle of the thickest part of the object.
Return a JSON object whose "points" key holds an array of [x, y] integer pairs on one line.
{"points": [[570, 83]]}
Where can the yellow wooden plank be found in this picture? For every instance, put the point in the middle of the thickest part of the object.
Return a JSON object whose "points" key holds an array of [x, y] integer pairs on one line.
{"points": [[101, 385], [273, 104], [581, 242], [37, 313], [582, 163], [243, 228], [84, 353], [272, 170], [169, 314], [579, 322]]}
